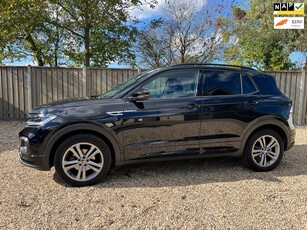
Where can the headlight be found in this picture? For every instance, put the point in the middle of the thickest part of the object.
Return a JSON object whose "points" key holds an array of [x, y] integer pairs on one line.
{"points": [[39, 119]]}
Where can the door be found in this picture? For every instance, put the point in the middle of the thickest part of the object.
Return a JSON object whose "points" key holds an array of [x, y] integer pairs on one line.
{"points": [[168, 123], [230, 103]]}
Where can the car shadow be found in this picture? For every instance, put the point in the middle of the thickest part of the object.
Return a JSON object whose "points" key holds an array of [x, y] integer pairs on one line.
{"points": [[201, 171]]}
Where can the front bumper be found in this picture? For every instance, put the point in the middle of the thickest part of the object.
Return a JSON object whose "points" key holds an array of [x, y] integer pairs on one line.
{"points": [[26, 158], [31, 148]]}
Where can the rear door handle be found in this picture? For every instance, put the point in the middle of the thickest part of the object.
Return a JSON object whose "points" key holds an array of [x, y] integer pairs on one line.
{"points": [[251, 102]]}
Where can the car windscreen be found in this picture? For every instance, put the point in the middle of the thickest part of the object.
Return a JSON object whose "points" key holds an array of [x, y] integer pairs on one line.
{"points": [[121, 87]]}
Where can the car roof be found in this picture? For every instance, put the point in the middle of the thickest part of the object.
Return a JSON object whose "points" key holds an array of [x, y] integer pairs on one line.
{"points": [[211, 66]]}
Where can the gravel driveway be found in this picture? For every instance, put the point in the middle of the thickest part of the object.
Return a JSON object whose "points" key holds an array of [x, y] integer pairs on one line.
{"points": [[196, 194]]}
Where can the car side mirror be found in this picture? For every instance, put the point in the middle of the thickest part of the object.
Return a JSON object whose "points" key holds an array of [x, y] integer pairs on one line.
{"points": [[142, 95]]}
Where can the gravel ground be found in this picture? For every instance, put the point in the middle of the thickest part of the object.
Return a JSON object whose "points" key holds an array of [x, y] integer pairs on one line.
{"points": [[196, 194]]}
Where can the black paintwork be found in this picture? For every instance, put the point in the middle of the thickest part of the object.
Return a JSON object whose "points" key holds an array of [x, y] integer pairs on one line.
{"points": [[178, 128]]}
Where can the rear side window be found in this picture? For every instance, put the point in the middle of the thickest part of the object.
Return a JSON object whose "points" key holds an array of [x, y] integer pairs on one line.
{"points": [[222, 83], [248, 85]]}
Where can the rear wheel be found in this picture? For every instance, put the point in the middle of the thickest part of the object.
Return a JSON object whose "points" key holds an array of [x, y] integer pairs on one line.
{"points": [[264, 150], [82, 160]]}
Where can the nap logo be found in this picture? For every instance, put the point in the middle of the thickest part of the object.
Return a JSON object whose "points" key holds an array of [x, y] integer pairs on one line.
{"points": [[288, 22], [288, 8]]}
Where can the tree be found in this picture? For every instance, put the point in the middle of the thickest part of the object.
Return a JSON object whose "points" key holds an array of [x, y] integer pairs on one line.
{"points": [[55, 32], [253, 41], [186, 33], [97, 31], [22, 31], [154, 47]]}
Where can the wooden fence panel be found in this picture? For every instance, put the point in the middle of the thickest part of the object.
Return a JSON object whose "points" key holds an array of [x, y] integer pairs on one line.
{"points": [[52, 84], [12, 93], [21, 96], [304, 96], [5, 94], [102, 80], [305, 100], [1, 96], [289, 83]]}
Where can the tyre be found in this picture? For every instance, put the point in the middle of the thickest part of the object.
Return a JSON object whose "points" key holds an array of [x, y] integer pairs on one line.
{"points": [[263, 150], [82, 160]]}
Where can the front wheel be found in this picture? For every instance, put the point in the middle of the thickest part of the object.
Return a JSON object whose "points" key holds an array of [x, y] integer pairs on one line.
{"points": [[264, 150], [82, 160]]}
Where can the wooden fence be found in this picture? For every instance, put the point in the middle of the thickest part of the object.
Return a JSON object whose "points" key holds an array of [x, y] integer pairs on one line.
{"points": [[24, 88], [294, 85]]}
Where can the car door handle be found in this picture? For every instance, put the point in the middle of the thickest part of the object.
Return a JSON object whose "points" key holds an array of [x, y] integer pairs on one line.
{"points": [[251, 102], [192, 106]]}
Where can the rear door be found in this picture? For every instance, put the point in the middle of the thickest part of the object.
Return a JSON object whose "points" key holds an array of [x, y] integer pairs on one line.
{"points": [[230, 103], [168, 124]]}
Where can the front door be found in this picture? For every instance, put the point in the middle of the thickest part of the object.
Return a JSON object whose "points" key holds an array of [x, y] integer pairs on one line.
{"points": [[168, 123]]}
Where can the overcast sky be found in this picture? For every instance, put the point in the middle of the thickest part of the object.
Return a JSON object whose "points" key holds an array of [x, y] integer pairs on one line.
{"points": [[146, 12]]}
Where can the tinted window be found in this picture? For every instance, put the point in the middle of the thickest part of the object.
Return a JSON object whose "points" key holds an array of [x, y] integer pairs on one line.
{"points": [[266, 84], [222, 83], [248, 85], [173, 84]]}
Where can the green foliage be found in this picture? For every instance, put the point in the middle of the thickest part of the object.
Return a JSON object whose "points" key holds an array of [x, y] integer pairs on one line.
{"points": [[66, 32], [97, 31], [20, 19], [253, 41]]}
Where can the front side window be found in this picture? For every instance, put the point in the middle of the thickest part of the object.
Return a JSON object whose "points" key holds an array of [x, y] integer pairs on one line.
{"points": [[173, 84], [222, 83]]}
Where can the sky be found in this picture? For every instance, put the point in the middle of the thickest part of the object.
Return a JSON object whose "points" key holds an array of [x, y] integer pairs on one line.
{"points": [[148, 13], [145, 14]]}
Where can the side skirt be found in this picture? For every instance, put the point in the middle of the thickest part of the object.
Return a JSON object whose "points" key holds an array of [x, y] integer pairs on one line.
{"points": [[237, 154]]}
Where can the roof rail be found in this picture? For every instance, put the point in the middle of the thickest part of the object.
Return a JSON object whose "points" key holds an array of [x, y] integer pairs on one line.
{"points": [[212, 64]]}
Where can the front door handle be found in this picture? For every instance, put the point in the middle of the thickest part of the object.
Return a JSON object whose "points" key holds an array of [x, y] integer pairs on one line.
{"points": [[192, 106]]}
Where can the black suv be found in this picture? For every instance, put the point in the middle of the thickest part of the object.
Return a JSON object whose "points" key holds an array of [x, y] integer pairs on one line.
{"points": [[179, 112]]}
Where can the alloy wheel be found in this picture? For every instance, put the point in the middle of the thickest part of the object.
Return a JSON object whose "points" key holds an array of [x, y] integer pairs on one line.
{"points": [[265, 151], [82, 161]]}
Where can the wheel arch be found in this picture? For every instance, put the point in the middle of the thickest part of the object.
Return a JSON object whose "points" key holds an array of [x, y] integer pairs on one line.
{"points": [[272, 124], [97, 130]]}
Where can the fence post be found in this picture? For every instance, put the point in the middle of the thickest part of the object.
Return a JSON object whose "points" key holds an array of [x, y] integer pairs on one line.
{"points": [[29, 85], [84, 81], [301, 102]]}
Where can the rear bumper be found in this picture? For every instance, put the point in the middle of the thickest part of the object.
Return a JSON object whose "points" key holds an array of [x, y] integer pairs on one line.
{"points": [[291, 140]]}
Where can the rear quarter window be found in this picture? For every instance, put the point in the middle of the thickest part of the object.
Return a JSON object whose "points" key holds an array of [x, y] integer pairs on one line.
{"points": [[248, 85], [266, 84]]}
